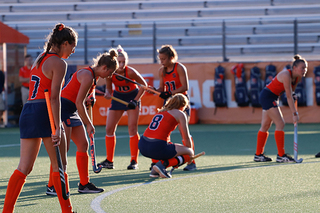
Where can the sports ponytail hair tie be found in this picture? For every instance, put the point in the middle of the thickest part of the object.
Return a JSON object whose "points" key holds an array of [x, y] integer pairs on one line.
{"points": [[119, 50], [61, 27]]}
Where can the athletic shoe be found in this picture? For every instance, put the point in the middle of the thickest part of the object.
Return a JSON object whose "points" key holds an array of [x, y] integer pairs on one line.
{"points": [[261, 158], [152, 164], [89, 188], [161, 170], [133, 165], [317, 155], [190, 167], [285, 158], [51, 191], [154, 174], [106, 164]]}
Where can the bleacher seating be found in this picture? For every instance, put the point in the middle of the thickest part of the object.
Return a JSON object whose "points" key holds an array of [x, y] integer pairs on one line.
{"points": [[193, 27]]}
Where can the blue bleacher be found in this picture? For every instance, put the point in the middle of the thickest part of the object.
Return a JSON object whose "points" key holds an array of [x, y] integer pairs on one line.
{"points": [[193, 27]]}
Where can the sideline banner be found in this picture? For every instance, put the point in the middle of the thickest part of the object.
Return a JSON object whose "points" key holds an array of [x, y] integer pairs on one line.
{"points": [[149, 105]]}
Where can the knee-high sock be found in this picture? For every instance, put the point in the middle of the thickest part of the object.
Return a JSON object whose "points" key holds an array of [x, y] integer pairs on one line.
{"points": [[261, 142], [154, 161], [184, 143], [50, 182], [66, 206], [134, 149], [177, 161], [110, 146], [14, 188], [82, 159], [279, 137]]}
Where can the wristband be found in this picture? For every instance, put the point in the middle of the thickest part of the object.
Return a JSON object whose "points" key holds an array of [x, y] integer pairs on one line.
{"points": [[295, 113]]}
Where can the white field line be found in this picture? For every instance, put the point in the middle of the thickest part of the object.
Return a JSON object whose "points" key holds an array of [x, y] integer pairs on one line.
{"points": [[95, 204]]}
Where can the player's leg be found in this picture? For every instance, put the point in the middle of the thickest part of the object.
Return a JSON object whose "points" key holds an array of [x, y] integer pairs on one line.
{"points": [[29, 149], [262, 138], [276, 115], [65, 204], [79, 137], [113, 118], [133, 116]]}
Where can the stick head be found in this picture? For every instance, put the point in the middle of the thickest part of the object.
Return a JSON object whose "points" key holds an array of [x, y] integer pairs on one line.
{"points": [[299, 161], [97, 170]]}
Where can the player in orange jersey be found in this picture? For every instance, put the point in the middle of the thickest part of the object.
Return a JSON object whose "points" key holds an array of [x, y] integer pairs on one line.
{"points": [[131, 93], [155, 142], [173, 79], [285, 81], [75, 117], [24, 75], [47, 72]]}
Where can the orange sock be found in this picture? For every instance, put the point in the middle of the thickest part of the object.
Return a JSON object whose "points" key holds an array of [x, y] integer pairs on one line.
{"points": [[66, 206], [184, 143], [134, 150], [14, 188], [82, 159], [154, 161], [50, 183], [110, 146], [178, 161], [261, 142], [279, 136]]}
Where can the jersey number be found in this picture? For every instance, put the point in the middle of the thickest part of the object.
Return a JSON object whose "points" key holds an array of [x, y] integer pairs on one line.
{"points": [[36, 79], [123, 88], [171, 85], [155, 122]]}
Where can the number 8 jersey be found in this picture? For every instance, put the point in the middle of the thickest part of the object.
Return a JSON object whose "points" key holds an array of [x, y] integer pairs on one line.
{"points": [[38, 82], [161, 126]]}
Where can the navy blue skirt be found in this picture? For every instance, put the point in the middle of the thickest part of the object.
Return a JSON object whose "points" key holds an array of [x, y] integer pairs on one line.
{"points": [[268, 99], [115, 105], [34, 120], [156, 149], [69, 113]]}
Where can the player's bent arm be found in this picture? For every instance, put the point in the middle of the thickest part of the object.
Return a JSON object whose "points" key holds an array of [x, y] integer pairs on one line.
{"points": [[135, 75], [55, 69], [184, 129], [108, 92], [161, 83], [85, 78], [183, 77]]}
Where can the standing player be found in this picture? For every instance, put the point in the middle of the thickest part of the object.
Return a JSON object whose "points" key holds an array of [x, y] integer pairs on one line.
{"points": [[24, 75], [129, 92], [285, 81], [47, 73], [75, 117], [155, 142], [173, 79]]}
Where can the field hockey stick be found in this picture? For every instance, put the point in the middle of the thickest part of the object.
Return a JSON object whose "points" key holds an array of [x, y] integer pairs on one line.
{"points": [[295, 144], [191, 159], [53, 129], [141, 85], [92, 146], [93, 156], [197, 155]]}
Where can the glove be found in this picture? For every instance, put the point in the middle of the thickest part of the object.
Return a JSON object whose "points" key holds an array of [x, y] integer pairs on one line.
{"points": [[165, 95], [90, 100], [132, 104]]}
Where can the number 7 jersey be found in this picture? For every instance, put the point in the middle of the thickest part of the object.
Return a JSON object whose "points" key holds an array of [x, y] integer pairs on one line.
{"points": [[38, 82]]}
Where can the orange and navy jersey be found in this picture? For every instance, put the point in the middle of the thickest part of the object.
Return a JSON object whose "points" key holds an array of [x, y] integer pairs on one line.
{"points": [[171, 79], [161, 126], [24, 72], [276, 87], [38, 81], [121, 85], [71, 89]]}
